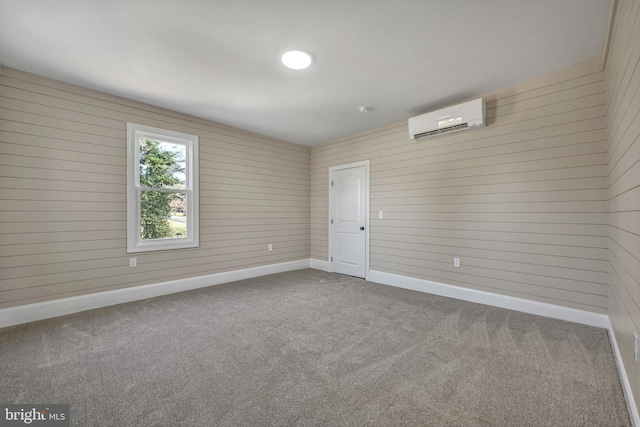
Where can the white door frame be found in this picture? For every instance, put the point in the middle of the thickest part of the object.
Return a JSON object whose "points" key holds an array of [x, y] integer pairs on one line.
{"points": [[367, 202]]}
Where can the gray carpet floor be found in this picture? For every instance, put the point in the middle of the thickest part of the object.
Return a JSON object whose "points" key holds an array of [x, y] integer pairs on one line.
{"points": [[309, 348]]}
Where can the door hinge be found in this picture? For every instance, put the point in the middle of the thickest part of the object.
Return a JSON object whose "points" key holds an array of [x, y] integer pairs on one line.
{"points": [[331, 221], [331, 259], [332, 183]]}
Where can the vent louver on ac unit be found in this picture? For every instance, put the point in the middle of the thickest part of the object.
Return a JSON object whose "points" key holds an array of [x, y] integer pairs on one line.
{"points": [[459, 117], [449, 129]]}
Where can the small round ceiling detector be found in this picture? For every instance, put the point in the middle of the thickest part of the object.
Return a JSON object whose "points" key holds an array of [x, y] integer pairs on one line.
{"points": [[296, 59], [364, 109]]}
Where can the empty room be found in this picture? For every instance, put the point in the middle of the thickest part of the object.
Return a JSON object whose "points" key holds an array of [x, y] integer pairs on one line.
{"points": [[302, 213]]}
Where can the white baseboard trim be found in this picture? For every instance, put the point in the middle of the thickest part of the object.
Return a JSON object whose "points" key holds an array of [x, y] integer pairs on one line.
{"points": [[624, 379], [490, 298], [320, 264], [60, 307]]}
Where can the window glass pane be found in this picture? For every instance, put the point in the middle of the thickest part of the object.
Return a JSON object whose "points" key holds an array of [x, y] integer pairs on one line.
{"points": [[162, 164], [163, 215]]}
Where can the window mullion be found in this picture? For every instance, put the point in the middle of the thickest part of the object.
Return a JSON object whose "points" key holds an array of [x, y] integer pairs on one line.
{"points": [[164, 189]]}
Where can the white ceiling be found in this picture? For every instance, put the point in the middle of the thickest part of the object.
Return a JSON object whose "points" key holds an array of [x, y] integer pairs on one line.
{"points": [[220, 59]]}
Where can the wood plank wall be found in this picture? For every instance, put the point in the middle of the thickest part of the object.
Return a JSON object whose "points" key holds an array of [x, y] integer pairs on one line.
{"points": [[522, 201], [63, 194], [623, 194]]}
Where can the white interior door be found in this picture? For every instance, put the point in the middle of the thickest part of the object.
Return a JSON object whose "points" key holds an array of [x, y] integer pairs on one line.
{"points": [[348, 221]]}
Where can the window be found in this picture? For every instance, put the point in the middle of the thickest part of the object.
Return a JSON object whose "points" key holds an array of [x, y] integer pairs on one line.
{"points": [[162, 189]]}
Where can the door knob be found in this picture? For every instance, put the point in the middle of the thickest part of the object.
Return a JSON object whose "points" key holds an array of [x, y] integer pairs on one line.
{"points": [[361, 228]]}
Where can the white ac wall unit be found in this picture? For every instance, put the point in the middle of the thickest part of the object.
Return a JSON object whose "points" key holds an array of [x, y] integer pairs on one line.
{"points": [[468, 115]]}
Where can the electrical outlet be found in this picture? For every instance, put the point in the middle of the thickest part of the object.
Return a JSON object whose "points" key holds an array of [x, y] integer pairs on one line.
{"points": [[456, 262], [635, 347], [133, 262], [270, 247], [380, 215]]}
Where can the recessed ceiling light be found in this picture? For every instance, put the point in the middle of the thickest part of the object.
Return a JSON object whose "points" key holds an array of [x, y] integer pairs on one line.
{"points": [[296, 60]]}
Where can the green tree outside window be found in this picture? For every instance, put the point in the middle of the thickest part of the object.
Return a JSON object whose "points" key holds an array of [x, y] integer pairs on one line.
{"points": [[160, 167]]}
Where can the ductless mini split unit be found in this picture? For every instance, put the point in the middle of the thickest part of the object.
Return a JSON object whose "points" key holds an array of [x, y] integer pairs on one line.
{"points": [[457, 118]]}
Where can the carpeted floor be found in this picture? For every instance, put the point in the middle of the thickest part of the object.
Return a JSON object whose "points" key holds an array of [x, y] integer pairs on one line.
{"points": [[311, 348]]}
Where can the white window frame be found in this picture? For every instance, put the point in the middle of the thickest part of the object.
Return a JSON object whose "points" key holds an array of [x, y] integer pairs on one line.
{"points": [[192, 239]]}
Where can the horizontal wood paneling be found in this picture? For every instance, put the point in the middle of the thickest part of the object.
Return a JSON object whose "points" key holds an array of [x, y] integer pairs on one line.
{"points": [[62, 184], [623, 193], [522, 201]]}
